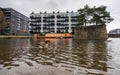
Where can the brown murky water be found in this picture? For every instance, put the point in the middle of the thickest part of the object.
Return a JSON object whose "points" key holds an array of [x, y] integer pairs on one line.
{"points": [[62, 57]]}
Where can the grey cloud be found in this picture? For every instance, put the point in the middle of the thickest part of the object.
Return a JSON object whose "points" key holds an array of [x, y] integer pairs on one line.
{"points": [[53, 4]]}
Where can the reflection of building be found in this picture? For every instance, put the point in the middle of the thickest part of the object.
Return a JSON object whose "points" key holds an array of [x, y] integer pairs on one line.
{"points": [[53, 22], [114, 33], [16, 23]]}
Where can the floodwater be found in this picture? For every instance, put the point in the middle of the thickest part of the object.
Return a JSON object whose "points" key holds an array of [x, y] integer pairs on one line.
{"points": [[62, 57]]}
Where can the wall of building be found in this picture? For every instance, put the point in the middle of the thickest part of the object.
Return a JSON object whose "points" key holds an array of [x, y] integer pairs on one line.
{"points": [[53, 22], [91, 32], [15, 22], [114, 33], [2, 22], [2, 19]]}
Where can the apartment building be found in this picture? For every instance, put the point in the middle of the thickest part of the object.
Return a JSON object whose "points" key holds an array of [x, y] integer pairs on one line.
{"points": [[16, 23], [56, 22]]}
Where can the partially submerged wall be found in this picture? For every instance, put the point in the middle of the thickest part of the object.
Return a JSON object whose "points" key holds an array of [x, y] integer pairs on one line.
{"points": [[91, 32]]}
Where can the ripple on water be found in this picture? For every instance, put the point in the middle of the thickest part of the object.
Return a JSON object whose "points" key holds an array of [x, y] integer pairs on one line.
{"points": [[77, 58]]}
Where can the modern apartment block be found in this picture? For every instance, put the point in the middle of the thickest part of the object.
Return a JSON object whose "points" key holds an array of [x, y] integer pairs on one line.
{"points": [[16, 23], [56, 22]]}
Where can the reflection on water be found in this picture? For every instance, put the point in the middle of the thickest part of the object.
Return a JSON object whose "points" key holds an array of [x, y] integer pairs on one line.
{"points": [[79, 57]]}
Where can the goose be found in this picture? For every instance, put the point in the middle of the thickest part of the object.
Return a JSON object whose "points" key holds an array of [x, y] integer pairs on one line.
{"points": [[43, 45]]}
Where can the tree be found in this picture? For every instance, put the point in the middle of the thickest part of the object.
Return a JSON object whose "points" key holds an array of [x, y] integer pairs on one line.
{"points": [[101, 16], [95, 16], [92, 16], [84, 15]]}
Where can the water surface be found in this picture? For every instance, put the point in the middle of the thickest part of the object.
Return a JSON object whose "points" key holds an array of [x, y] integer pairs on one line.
{"points": [[67, 56]]}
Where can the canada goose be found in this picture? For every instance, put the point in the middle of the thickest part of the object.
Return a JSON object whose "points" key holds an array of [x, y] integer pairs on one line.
{"points": [[43, 45]]}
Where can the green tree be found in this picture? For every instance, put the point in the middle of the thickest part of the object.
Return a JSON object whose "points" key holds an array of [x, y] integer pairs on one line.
{"points": [[100, 16], [95, 16], [84, 15]]}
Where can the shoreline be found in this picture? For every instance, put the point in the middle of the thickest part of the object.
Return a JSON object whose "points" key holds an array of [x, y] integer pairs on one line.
{"points": [[12, 36], [9, 37]]}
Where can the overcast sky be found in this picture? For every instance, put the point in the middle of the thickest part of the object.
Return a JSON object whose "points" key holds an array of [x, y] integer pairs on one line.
{"points": [[27, 6]]}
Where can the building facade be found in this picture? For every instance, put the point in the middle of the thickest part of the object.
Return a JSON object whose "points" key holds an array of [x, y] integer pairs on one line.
{"points": [[16, 23], [2, 21], [59, 22], [114, 33]]}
